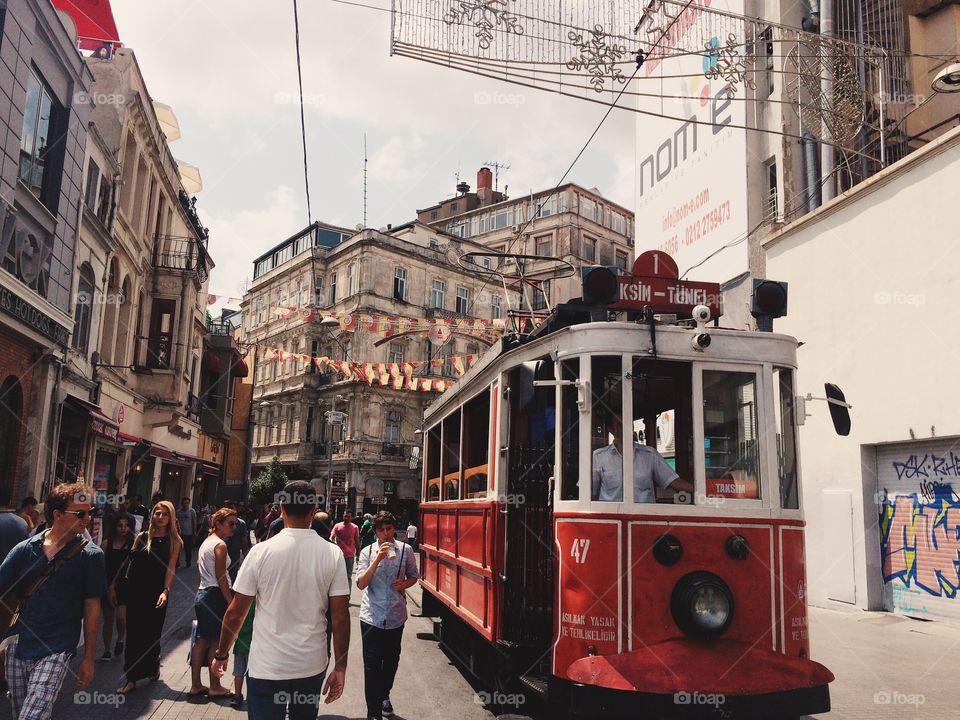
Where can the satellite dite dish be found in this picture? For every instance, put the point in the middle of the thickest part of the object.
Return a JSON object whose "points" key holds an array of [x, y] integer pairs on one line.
{"points": [[70, 26]]}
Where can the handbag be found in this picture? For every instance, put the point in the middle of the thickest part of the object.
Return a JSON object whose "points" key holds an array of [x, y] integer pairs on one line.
{"points": [[11, 604]]}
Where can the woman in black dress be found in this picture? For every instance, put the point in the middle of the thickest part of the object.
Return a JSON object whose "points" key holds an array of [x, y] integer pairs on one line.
{"points": [[116, 549], [153, 562]]}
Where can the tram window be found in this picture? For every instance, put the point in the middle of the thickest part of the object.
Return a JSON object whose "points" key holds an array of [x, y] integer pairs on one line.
{"points": [[570, 433], [783, 403], [606, 387], [663, 430], [432, 492], [450, 456], [731, 448], [476, 442], [532, 424]]}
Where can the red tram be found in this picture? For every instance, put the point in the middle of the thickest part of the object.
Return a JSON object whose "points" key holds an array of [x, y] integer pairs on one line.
{"points": [[647, 600]]}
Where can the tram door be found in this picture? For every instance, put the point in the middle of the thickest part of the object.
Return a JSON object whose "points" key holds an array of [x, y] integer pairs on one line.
{"points": [[528, 596]]}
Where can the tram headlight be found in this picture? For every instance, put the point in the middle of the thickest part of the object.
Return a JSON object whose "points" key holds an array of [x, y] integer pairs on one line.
{"points": [[702, 604]]}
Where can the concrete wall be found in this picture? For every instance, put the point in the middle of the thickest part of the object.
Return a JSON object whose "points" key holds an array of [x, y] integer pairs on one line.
{"points": [[873, 298]]}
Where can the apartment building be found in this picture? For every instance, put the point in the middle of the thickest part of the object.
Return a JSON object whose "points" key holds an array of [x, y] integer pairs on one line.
{"points": [[571, 223], [410, 272]]}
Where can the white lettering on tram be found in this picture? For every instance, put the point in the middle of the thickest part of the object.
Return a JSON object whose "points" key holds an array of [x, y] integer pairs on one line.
{"points": [[579, 550]]}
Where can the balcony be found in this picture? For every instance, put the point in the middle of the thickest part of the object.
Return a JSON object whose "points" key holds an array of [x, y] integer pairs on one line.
{"points": [[181, 255], [220, 327]]}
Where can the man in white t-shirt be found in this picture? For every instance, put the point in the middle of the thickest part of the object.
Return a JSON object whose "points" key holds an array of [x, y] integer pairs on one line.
{"points": [[650, 471], [294, 578], [412, 536]]}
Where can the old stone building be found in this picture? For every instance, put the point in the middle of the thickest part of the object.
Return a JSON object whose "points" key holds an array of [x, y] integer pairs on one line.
{"points": [[146, 346], [325, 293], [569, 223]]}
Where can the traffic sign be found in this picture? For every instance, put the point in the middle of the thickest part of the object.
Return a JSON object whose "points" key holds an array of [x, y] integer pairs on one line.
{"points": [[335, 417]]}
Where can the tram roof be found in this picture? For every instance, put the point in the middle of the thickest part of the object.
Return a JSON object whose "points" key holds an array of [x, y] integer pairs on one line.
{"points": [[673, 342]]}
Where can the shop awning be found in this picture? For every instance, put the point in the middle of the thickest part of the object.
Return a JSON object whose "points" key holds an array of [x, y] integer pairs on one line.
{"points": [[99, 424], [209, 469], [127, 438], [240, 368]]}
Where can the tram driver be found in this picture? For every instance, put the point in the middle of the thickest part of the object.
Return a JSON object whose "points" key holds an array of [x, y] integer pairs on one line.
{"points": [[650, 470]]}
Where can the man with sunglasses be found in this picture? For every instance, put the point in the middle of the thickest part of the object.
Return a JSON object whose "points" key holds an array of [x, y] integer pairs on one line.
{"points": [[48, 630]]}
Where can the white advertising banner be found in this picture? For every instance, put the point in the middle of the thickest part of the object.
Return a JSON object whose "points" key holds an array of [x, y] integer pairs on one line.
{"points": [[691, 173]]}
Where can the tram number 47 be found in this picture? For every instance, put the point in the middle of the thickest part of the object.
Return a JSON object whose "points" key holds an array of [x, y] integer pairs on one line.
{"points": [[579, 550]]}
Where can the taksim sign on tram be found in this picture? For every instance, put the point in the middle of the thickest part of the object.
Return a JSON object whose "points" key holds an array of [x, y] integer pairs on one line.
{"points": [[654, 283]]}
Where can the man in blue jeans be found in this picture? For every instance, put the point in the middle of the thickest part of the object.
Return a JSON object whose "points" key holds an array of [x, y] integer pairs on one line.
{"points": [[384, 572], [294, 578]]}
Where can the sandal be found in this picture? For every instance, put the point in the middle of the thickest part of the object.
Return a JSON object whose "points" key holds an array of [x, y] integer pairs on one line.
{"points": [[199, 693], [226, 694], [127, 689]]}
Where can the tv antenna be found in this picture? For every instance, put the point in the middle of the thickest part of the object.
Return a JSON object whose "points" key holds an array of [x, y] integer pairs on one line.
{"points": [[496, 166]]}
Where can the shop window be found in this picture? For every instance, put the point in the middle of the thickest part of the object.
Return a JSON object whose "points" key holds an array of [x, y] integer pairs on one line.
{"points": [[11, 410]]}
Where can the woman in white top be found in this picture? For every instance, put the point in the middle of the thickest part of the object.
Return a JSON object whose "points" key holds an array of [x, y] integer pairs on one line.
{"points": [[213, 597]]}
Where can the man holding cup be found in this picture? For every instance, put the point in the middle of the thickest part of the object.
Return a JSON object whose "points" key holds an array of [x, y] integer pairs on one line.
{"points": [[384, 572]]}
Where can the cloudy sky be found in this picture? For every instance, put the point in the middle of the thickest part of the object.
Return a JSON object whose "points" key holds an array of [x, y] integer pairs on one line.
{"points": [[228, 69]]}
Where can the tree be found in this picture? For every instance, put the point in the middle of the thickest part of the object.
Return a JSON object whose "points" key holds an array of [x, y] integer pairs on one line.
{"points": [[265, 486]]}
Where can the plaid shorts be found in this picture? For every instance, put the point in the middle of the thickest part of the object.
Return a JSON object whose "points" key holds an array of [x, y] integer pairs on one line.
{"points": [[35, 684]]}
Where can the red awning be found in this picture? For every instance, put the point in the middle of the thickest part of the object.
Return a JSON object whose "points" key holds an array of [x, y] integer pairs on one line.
{"points": [[210, 469], [129, 438], [161, 452], [94, 20], [240, 368], [99, 423]]}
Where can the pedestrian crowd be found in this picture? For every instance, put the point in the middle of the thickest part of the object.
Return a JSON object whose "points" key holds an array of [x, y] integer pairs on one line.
{"points": [[278, 605]]}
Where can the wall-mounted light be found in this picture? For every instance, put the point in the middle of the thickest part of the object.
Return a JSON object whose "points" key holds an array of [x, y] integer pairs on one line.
{"points": [[948, 79]]}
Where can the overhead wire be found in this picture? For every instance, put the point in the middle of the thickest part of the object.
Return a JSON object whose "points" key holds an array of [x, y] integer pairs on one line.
{"points": [[303, 122]]}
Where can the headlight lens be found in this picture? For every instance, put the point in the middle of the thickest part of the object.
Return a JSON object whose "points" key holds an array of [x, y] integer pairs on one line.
{"points": [[702, 604], [710, 607]]}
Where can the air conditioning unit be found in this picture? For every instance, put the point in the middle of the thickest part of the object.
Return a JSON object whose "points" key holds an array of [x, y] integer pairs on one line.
{"points": [[515, 229]]}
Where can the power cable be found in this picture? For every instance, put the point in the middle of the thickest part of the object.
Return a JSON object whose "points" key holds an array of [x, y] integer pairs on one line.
{"points": [[303, 122]]}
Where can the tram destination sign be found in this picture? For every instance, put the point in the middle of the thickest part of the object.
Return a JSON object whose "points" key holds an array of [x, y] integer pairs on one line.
{"points": [[667, 295], [655, 283]]}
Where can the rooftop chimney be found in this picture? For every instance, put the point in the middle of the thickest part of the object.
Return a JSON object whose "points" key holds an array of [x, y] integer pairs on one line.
{"points": [[485, 186]]}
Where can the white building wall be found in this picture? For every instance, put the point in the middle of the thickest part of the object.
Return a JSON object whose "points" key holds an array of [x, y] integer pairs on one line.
{"points": [[872, 295]]}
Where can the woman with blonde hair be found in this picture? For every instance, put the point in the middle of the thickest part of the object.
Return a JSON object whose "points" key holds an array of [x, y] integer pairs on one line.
{"points": [[213, 597], [148, 579]]}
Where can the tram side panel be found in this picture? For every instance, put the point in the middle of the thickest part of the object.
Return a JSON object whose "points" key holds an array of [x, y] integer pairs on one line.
{"points": [[462, 561]]}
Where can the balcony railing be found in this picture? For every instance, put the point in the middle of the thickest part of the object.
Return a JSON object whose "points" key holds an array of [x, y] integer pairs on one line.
{"points": [[220, 327], [181, 254]]}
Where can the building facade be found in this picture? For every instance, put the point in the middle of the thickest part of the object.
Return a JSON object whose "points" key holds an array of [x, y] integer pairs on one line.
{"points": [[357, 279], [882, 506], [146, 350], [43, 89], [571, 223]]}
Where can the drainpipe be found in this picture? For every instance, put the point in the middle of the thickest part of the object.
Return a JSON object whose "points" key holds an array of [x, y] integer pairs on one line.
{"points": [[827, 151], [810, 156]]}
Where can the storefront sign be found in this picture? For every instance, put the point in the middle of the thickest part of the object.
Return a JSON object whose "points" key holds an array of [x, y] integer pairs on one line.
{"points": [[103, 429], [30, 316]]}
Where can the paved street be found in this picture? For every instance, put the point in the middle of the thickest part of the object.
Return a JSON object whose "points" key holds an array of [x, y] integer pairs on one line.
{"points": [[427, 687], [886, 667]]}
